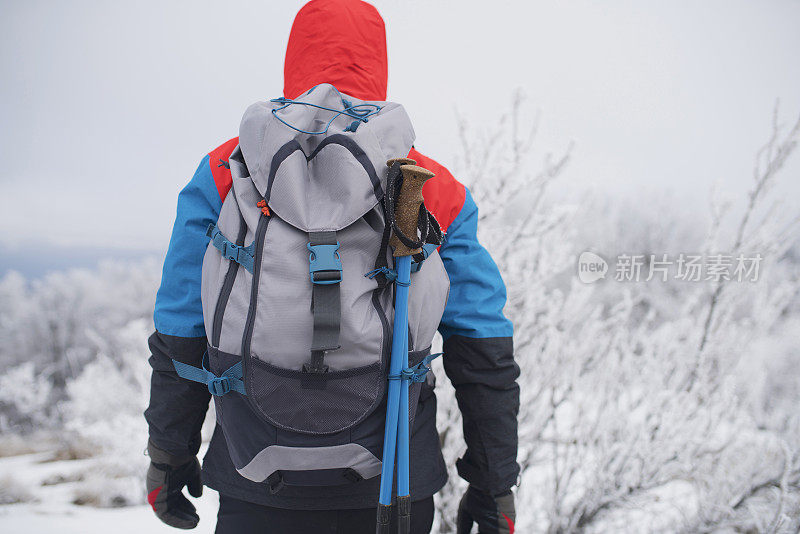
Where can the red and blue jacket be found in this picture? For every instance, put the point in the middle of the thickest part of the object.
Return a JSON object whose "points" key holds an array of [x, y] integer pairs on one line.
{"points": [[477, 336], [477, 293]]}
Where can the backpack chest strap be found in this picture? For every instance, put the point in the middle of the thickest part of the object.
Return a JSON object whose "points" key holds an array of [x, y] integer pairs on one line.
{"points": [[230, 380], [230, 250]]}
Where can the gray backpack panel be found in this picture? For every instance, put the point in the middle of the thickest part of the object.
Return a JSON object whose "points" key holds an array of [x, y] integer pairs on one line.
{"points": [[426, 302], [278, 457], [281, 336], [293, 420]]}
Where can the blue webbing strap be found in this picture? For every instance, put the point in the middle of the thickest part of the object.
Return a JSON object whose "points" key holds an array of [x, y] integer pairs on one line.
{"points": [[241, 255], [418, 372], [391, 274], [427, 250], [231, 379]]}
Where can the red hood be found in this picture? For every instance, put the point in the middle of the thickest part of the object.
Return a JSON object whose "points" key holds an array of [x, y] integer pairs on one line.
{"points": [[341, 42]]}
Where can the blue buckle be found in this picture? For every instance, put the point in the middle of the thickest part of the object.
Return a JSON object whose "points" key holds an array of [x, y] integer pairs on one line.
{"points": [[324, 259], [232, 251], [219, 385]]}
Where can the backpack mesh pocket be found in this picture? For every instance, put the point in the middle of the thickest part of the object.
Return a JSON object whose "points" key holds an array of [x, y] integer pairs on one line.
{"points": [[313, 403]]}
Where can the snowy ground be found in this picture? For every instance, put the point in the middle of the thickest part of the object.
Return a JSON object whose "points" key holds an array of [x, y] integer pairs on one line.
{"points": [[51, 510]]}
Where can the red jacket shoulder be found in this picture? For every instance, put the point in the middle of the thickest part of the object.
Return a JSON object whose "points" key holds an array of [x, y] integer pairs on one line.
{"points": [[444, 195], [220, 170]]}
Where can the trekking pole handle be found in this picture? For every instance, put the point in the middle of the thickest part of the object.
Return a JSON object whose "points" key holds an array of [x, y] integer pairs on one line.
{"points": [[408, 203]]}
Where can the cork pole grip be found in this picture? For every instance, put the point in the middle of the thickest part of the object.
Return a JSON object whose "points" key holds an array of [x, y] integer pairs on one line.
{"points": [[402, 161], [407, 210]]}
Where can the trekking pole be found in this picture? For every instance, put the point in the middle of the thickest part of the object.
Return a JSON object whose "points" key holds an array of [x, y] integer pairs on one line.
{"points": [[396, 436]]}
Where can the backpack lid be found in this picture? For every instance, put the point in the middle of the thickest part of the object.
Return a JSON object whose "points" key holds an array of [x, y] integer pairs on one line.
{"points": [[326, 181]]}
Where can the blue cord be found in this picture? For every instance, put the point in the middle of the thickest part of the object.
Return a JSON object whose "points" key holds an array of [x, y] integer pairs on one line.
{"points": [[359, 112]]}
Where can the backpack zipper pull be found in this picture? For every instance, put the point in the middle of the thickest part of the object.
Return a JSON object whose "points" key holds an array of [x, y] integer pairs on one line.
{"points": [[264, 209]]}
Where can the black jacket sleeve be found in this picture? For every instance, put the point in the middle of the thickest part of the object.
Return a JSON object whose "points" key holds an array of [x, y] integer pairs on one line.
{"points": [[177, 406], [479, 356], [484, 373]]}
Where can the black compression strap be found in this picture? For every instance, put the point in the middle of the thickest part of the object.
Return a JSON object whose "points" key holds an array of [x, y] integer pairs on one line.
{"points": [[326, 308]]}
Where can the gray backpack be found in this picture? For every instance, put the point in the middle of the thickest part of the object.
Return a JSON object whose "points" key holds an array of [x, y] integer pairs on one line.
{"points": [[296, 291]]}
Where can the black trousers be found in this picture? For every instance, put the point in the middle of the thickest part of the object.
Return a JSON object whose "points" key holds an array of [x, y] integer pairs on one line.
{"points": [[241, 517]]}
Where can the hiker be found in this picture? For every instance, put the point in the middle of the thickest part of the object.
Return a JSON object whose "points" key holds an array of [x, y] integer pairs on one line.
{"points": [[336, 55]]}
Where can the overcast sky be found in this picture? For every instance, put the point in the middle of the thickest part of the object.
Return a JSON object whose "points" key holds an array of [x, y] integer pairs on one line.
{"points": [[108, 107]]}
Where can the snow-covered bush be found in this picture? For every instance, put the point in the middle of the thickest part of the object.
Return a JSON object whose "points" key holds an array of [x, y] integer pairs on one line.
{"points": [[53, 328], [635, 414], [26, 397], [78, 378], [12, 491]]}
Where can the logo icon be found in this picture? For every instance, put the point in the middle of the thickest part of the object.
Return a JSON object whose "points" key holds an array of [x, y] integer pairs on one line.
{"points": [[591, 267]]}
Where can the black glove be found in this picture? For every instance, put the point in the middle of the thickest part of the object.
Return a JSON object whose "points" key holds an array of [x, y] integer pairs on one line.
{"points": [[494, 515], [166, 477]]}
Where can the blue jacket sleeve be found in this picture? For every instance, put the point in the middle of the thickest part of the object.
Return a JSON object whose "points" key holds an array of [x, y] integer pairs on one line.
{"points": [[479, 357], [477, 292], [177, 406], [179, 311]]}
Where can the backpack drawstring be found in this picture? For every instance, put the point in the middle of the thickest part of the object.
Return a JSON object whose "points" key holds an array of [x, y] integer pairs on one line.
{"points": [[359, 112]]}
